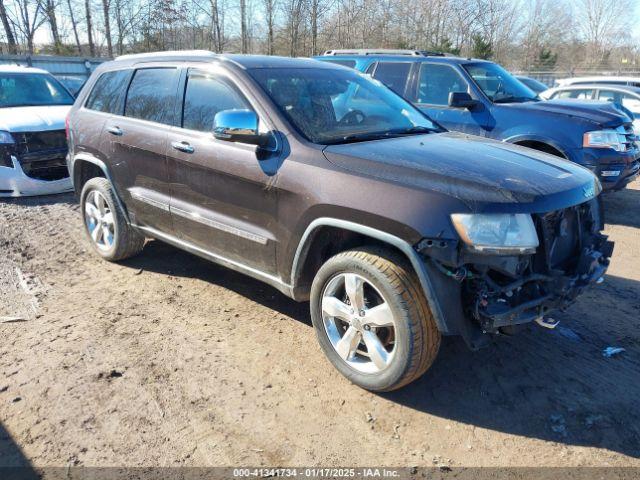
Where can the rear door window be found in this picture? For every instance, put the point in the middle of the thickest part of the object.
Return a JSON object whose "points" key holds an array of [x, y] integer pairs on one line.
{"points": [[107, 93], [152, 94], [393, 74], [206, 95], [436, 81]]}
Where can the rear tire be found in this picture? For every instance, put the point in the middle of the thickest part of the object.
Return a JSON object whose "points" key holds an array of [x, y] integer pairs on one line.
{"points": [[410, 337], [105, 224]]}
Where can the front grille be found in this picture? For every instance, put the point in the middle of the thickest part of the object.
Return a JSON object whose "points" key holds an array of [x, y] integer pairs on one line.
{"points": [[42, 155], [628, 137]]}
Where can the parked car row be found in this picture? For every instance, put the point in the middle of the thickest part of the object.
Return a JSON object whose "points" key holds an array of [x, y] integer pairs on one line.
{"points": [[327, 185]]}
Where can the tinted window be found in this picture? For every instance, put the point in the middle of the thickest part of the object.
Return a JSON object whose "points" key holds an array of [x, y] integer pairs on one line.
{"points": [[108, 91], [151, 95], [344, 63], [393, 75], [204, 97], [31, 89], [436, 82]]}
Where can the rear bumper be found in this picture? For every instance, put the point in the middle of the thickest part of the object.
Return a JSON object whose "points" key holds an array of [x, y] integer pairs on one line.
{"points": [[15, 183]]}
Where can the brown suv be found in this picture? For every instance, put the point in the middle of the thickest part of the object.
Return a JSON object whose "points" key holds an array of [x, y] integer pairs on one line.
{"points": [[328, 186]]}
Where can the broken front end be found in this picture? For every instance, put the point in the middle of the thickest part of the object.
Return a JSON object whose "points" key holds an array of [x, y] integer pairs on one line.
{"points": [[489, 289]]}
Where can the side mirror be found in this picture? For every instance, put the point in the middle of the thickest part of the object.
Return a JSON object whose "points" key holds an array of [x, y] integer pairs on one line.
{"points": [[237, 126], [462, 100]]}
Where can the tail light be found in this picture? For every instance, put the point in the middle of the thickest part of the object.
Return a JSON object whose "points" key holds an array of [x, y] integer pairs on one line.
{"points": [[66, 126]]}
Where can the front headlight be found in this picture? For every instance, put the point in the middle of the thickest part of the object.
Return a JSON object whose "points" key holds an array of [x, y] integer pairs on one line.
{"points": [[6, 138], [605, 139], [503, 233]]}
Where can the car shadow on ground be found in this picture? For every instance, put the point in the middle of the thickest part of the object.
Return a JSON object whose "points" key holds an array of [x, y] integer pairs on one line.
{"points": [[13, 463], [617, 209], [549, 385]]}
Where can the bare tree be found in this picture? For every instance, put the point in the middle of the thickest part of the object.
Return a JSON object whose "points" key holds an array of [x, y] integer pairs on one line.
{"points": [[49, 9], [30, 18], [8, 31], [270, 7], [74, 26], [92, 47], [107, 26]]}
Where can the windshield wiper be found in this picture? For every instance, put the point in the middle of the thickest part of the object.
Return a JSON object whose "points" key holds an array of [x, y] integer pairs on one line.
{"points": [[413, 130], [513, 99], [364, 137]]}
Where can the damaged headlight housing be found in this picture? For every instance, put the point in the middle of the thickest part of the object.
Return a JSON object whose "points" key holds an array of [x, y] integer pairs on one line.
{"points": [[6, 148], [605, 139], [501, 233]]}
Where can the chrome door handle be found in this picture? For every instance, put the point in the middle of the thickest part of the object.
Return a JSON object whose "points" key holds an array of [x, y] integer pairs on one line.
{"points": [[183, 147], [115, 131]]}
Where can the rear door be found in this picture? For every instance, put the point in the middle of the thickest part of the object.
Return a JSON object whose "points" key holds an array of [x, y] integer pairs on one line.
{"points": [[223, 194], [138, 144]]}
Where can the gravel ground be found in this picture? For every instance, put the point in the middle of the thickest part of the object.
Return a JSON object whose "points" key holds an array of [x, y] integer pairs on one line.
{"points": [[167, 360]]}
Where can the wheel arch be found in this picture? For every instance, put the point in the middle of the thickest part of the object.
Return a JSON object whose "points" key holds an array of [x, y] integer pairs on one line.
{"points": [[325, 237], [539, 143], [85, 166]]}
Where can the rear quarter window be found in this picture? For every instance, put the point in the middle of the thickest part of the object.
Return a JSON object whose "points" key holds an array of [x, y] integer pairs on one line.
{"points": [[344, 63], [151, 95], [108, 91], [394, 75]]}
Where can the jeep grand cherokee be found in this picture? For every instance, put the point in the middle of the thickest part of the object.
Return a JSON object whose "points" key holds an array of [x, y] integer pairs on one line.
{"points": [[396, 230]]}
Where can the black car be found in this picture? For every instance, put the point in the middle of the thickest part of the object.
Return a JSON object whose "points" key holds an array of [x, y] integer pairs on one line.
{"points": [[394, 229]]}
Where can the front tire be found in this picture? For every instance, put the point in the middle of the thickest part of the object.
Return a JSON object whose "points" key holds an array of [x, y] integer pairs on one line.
{"points": [[372, 319], [105, 223]]}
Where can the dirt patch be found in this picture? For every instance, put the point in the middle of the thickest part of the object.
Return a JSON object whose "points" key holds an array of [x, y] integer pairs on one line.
{"points": [[168, 360]]}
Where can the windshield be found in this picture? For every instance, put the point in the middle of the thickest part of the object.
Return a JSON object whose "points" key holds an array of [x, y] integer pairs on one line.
{"points": [[330, 106], [31, 89], [498, 84]]}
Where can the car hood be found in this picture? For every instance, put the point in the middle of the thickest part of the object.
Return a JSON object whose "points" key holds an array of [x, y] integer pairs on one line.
{"points": [[33, 119], [604, 114], [485, 174]]}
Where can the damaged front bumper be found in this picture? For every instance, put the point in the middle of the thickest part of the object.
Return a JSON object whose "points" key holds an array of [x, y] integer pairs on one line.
{"points": [[15, 183], [484, 294]]}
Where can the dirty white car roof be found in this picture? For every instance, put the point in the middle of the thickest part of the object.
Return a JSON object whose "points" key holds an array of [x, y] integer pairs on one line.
{"points": [[20, 69]]}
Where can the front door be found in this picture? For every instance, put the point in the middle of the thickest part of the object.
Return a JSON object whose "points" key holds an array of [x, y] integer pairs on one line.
{"points": [[435, 82], [138, 144], [223, 197]]}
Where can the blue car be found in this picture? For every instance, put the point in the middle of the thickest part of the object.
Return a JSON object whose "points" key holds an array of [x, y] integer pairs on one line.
{"points": [[480, 97]]}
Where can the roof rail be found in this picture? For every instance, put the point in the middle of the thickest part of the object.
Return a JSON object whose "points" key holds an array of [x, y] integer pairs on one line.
{"points": [[384, 51], [372, 51], [169, 53]]}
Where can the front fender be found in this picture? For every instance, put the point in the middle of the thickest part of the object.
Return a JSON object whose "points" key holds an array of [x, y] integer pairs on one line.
{"points": [[402, 245]]}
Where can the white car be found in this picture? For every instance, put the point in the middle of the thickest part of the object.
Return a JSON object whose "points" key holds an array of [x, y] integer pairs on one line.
{"points": [[625, 96], [33, 146], [608, 79]]}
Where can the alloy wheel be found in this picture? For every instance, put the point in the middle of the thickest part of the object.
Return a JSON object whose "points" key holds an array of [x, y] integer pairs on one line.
{"points": [[99, 220], [359, 323]]}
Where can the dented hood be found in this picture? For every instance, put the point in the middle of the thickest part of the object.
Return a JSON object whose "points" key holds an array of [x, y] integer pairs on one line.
{"points": [[482, 173], [603, 114]]}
